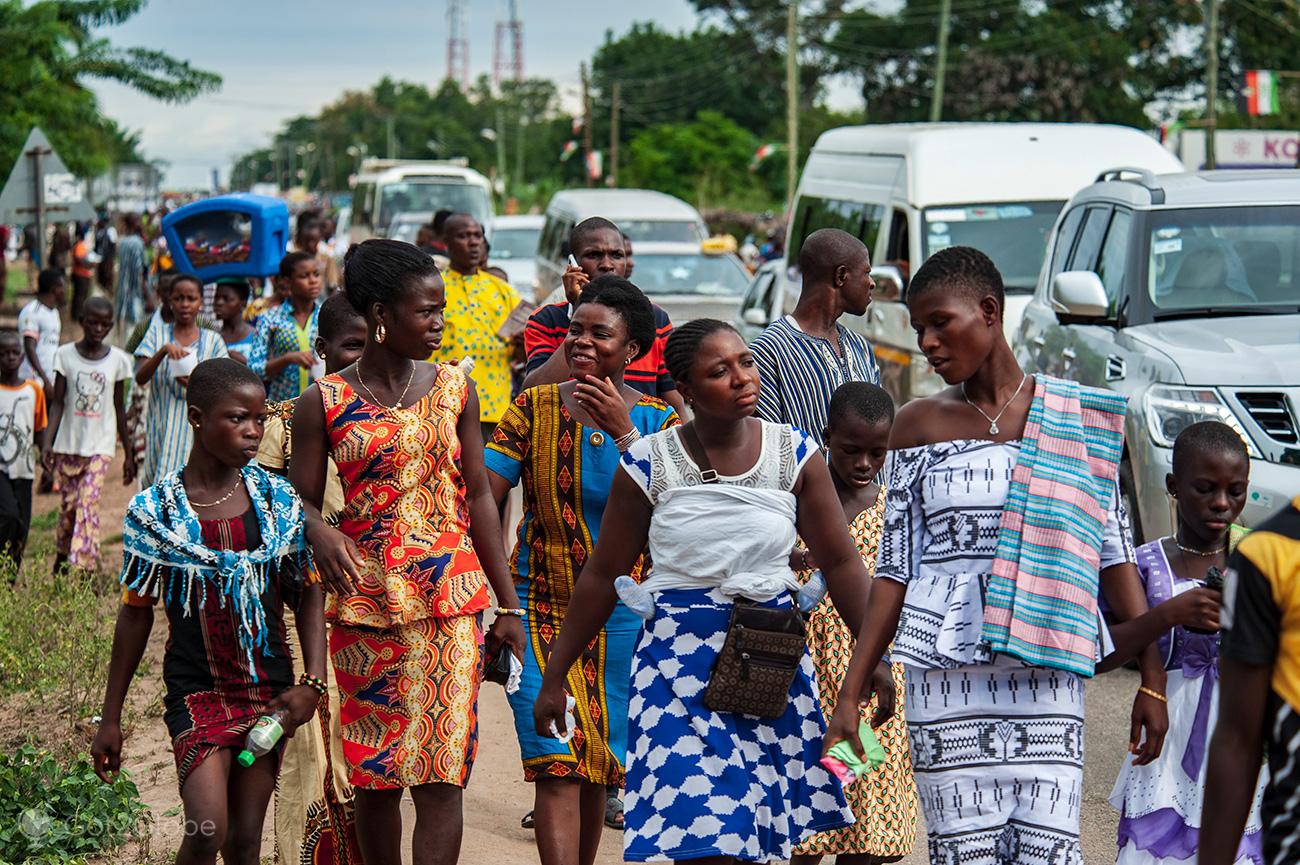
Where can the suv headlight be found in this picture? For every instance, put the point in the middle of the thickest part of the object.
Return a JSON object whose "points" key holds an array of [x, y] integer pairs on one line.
{"points": [[1171, 409]]}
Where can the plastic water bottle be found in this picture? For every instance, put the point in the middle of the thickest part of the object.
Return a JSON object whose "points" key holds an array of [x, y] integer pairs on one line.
{"points": [[263, 737], [812, 592]]}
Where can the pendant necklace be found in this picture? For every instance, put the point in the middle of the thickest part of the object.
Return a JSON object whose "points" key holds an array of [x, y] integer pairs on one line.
{"points": [[993, 421]]}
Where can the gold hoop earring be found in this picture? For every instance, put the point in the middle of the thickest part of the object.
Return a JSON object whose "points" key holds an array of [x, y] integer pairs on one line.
{"points": [[381, 333]]}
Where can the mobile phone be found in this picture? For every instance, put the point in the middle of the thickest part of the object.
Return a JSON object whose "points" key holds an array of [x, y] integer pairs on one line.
{"points": [[573, 262]]}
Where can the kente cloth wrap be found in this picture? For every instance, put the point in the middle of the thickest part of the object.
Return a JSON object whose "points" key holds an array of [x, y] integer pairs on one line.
{"points": [[1041, 602], [164, 555]]}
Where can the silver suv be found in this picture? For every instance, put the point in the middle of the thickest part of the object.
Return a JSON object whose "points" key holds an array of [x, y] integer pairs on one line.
{"points": [[1181, 291]]}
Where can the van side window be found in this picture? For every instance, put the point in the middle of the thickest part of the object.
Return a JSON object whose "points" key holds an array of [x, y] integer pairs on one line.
{"points": [[897, 249], [1065, 238], [860, 219], [1114, 256], [1090, 239]]}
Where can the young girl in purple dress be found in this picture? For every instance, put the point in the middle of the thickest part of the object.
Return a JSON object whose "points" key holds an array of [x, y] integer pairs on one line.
{"points": [[1160, 803]]}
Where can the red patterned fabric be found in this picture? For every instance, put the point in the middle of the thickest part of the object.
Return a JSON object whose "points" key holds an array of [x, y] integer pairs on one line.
{"points": [[409, 701], [404, 505]]}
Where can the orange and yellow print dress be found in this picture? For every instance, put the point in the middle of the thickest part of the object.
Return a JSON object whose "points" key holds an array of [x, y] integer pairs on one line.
{"points": [[407, 646], [884, 800]]}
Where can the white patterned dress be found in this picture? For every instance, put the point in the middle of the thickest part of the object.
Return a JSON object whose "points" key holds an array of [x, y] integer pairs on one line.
{"points": [[702, 783], [997, 745]]}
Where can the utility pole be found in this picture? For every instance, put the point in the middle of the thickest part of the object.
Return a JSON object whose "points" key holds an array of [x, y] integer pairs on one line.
{"points": [[501, 148], [586, 124], [941, 62], [1211, 80], [791, 101], [616, 94], [390, 127]]}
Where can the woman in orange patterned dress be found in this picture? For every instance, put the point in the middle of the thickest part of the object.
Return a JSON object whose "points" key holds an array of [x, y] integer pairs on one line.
{"points": [[409, 565], [884, 800]]}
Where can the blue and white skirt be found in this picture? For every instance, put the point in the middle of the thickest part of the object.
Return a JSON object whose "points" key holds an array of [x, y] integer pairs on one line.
{"points": [[702, 783]]}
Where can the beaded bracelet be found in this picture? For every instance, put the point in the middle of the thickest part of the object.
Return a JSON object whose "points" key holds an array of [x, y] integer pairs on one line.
{"points": [[316, 684], [1153, 694], [510, 611]]}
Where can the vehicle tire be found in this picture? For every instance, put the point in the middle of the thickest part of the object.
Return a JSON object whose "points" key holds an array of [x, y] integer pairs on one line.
{"points": [[1128, 490]]}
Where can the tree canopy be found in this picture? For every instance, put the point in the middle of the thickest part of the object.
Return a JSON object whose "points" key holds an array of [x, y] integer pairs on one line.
{"points": [[49, 49]]}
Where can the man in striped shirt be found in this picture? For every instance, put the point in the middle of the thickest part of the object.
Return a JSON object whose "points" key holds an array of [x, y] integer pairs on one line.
{"points": [[804, 356], [600, 249]]}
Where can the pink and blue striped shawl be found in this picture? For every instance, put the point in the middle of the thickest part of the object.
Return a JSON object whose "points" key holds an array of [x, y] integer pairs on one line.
{"points": [[1041, 603]]}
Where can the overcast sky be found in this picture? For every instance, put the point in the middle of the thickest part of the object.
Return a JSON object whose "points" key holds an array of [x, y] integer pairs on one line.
{"points": [[281, 58]]}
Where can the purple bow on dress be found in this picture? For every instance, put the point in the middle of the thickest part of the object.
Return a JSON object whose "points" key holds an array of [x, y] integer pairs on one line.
{"points": [[1200, 661]]}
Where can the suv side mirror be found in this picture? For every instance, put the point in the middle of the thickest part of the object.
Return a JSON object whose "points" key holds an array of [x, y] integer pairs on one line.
{"points": [[755, 316], [1079, 293], [889, 281]]}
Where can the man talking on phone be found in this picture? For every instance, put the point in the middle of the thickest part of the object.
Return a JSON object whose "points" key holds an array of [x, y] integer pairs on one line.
{"points": [[597, 248]]}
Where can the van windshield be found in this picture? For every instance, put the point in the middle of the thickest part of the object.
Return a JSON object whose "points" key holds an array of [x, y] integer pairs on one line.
{"points": [[1013, 234], [430, 196], [1244, 259]]}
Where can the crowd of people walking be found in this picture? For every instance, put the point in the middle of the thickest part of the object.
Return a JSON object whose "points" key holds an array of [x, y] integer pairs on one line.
{"points": [[730, 559]]}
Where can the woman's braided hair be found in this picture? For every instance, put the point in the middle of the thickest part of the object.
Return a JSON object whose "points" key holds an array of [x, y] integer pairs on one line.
{"points": [[684, 344]]}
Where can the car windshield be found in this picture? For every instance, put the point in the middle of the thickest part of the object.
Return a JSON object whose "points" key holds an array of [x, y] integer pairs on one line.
{"points": [[714, 275], [404, 229], [1225, 258], [660, 231], [429, 196], [508, 243], [1013, 234]]}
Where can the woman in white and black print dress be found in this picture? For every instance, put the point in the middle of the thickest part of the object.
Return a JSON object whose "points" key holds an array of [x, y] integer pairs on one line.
{"points": [[997, 744]]}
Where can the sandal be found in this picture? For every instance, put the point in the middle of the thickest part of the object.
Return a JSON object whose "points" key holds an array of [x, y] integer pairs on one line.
{"points": [[528, 822], [614, 812]]}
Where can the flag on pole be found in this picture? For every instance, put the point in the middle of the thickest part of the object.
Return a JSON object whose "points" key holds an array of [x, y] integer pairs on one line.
{"points": [[762, 153], [1261, 92], [570, 148]]}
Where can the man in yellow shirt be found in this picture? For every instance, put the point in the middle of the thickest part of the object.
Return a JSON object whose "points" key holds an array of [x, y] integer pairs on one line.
{"points": [[478, 304]]}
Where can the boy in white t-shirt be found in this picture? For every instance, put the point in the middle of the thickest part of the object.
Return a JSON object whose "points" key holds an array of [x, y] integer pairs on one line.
{"points": [[87, 418], [40, 326], [22, 422]]}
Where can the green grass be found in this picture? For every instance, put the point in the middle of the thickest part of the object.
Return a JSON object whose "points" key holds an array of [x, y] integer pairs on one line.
{"points": [[17, 284]]}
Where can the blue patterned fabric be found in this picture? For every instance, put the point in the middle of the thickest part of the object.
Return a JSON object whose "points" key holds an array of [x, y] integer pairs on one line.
{"points": [[164, 555], [702, 783]]}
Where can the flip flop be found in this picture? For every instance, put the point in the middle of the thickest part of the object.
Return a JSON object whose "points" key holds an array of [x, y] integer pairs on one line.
{"points": [[528, 823], [614, 812]]}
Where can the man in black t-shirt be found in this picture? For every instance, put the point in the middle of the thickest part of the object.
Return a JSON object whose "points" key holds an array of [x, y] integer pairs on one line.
{"points": [[1259, 704]]}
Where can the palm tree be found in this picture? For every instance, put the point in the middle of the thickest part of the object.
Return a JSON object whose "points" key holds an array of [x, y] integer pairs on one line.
{"points": [[49, 48]]}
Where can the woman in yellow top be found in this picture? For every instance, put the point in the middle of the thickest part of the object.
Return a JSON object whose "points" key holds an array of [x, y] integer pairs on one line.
{"points": [[477, 305]]}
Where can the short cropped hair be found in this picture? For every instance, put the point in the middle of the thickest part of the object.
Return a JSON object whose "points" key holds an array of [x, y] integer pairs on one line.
{"points": [[217, 376]]}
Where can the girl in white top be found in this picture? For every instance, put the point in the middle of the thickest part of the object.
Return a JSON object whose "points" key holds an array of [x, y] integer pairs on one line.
{"points": [[87, 418], [719, 786]]}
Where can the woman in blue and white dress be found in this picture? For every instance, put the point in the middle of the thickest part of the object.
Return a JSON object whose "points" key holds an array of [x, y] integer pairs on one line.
{"points": [[705, 785]]}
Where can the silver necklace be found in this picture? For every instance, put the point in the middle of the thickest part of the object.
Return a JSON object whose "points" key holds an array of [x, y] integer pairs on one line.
{"points": [[993, 421]]}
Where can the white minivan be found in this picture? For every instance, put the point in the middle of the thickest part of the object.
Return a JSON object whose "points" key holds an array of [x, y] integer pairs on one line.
{"points": [[909, 190], [646, 216], [389, 188]]}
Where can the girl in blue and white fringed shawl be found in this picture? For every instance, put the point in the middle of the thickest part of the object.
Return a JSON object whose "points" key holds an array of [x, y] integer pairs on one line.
{"points": [[220, 544]]}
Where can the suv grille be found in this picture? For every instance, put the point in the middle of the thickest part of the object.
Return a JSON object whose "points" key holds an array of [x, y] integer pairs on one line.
{"points": [[1270, 411]]}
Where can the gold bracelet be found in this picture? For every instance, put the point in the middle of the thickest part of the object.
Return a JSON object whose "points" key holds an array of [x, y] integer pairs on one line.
{"points": [[1156, 695]]}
